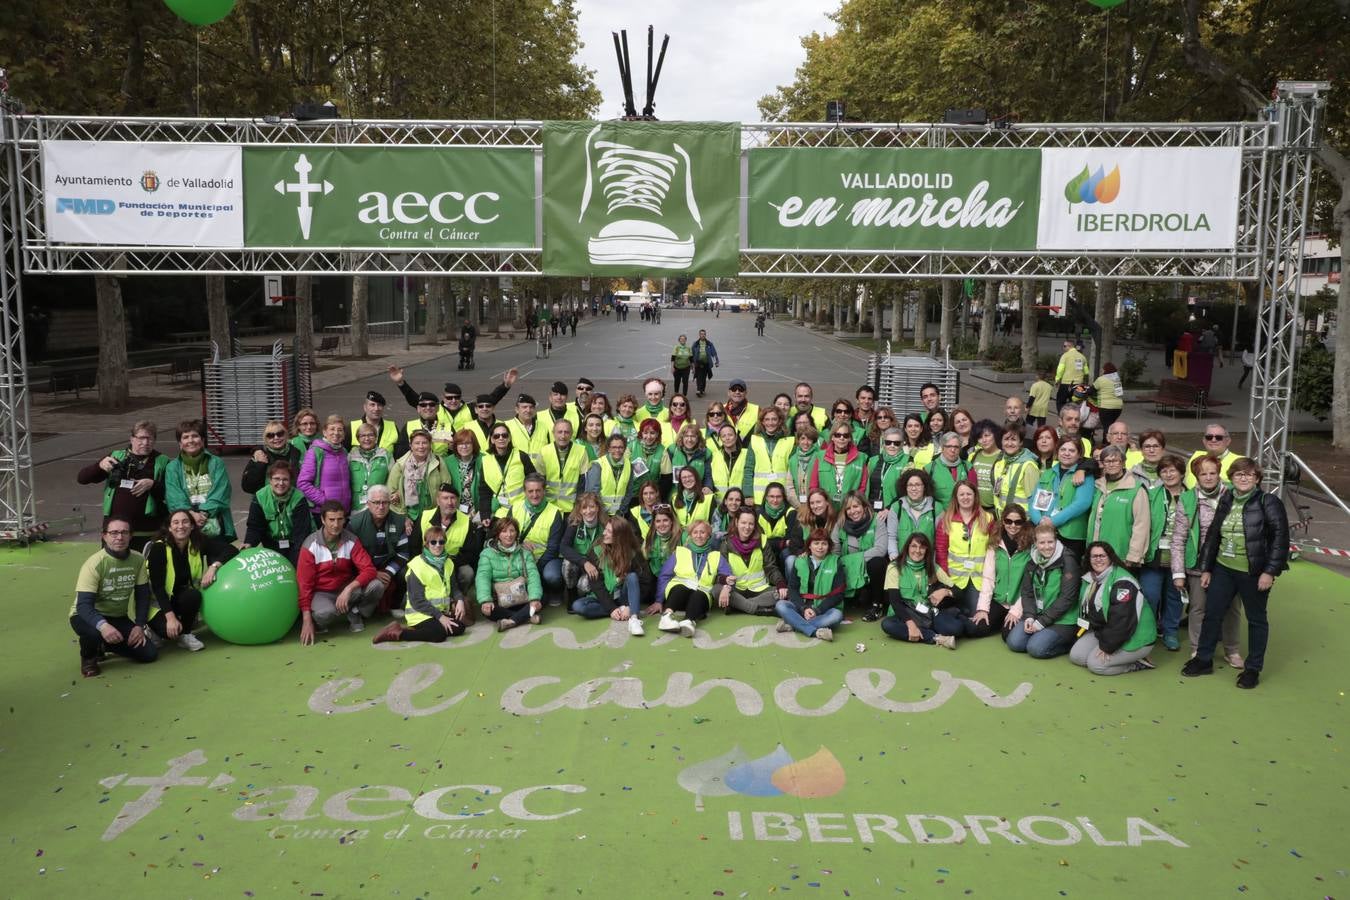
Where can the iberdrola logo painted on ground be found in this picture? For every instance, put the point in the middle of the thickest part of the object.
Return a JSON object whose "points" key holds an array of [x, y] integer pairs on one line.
{"points": [[819, 775], [1093, 187]]}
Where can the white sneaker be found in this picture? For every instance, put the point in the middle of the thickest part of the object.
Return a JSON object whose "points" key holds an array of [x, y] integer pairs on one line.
{"points": [[189, 641], [635, 627], [687, 628], [945, 640], [825, 634], [668, 622]]}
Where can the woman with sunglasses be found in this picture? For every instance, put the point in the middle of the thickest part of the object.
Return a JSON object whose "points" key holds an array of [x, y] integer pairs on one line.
{"points": [[772, 447], [840, 469], [616, 591], [1246, 549], [887, 465], [715, 418], [431, 616], [801, 463], [732, 464], [503, 469], [759, 584], [965, 542], [815, 514], [724, 514], [276, 447], [841, 413], [507, 586], [368, 463], [948, 469], [689, 498], [815, 597], [914, 590], [1116, 625], [680, 413], [882, 419], [866, 543], [689, 579], [1012, 552], [1042, 622]]}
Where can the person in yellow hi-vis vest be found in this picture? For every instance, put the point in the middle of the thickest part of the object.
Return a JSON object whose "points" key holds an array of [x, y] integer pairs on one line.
{"points": [[689, 578], [1071, 371], [432, 616]]}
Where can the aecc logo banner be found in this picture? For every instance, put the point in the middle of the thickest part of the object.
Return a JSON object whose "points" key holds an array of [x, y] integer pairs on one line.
{"points": [[158, 195]]}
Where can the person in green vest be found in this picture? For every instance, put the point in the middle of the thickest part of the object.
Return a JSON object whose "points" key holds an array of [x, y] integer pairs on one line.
{"points": [[133, 480], [463, 540], [681, 363], [503, 469], [654, 389], [663, 536], [705, 358], [464, 466], [886, 467], [1062, 500], [1120, 513], [1012, 552], [304, 429], [759, 582], [580, 541], [866, 544], [611, 476], [112, 602], [368, 463], [432, 615], [1156, 576], [801, 463], [648, 456], [816, 583], [385, 536], [1152, 446], [1071, 425], [881, 420], [690, 578], [914, 510], [917, 446], [914, 589], [984, 454], [1194, 515], [182, 564], [508, 588], [690, 500], [616, 591], [690, 452], [592, 438], [724, 513], [1016, 472], [278, 515], [624, 423], [197, 480], [640, 515], [563, 463], [1117, 628], [1042, 624], [841, 468], [948, 469]]}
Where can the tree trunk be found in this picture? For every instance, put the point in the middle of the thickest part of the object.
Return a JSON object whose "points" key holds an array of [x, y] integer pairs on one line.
{"points": [[897, 316], [921, 320], [114, 387], [218, 315], [876, 317], [948, 304], [475, 311], [437, 288], [360, 316], [1108, 297], [990, 316], [1028, 291], [304, 318]]}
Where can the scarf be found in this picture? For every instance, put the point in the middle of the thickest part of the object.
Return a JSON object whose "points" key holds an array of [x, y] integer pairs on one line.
{"points": [[436, 562], [654, 410], [677, 422], [700, 552], [916, 512], [414, 473], [773, 513], [1209, 498], [466, 477], [193, 465], [743, 548], [857, 529]]}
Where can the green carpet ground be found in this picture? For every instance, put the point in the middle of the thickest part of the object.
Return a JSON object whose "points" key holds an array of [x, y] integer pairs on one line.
{"points": [[572, 760]]}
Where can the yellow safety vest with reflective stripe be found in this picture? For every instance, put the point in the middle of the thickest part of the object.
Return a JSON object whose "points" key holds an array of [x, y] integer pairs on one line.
{"points": [[435, 586], [537, 534], [700, 510], [442, 433], [1015, 482], [454, 535], [724, 478], [547, 419], [770, 465], [528, 441], [561, 476], [196, 565], [643, 526], [507, 487], [773, 529], [612, 490], [750, 577], [684, 571], [747, 421], [388, 434], [965, 555]]}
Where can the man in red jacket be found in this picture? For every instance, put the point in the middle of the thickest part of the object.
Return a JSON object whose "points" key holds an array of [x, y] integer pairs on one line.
{"points": [[333, 566]]}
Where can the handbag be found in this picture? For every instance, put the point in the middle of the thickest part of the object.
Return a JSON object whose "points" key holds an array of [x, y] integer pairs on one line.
{"points": [[510, 593]]}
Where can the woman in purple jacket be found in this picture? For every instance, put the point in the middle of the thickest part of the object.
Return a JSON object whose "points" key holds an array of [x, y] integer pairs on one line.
{"points": [[325, 475]]}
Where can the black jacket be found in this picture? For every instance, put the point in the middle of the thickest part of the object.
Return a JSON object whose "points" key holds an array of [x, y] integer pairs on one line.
{"points": [[1266, 528]]}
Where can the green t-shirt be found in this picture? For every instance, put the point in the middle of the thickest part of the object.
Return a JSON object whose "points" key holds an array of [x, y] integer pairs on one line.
{"points": [[1233, 536], [113, 581]]}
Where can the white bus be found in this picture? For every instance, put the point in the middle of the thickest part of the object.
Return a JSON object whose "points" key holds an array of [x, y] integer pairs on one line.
{"points": [[1321, 266]]}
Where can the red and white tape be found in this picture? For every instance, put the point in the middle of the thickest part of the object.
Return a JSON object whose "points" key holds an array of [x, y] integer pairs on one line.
{"points": [[1311, 548]]}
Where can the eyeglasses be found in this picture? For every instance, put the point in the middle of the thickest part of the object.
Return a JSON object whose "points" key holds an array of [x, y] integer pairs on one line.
{"points": [[435, 543], [270, 434], [377, 502], [121, 532], [1151, 446], [146, 437], [892, 443], [1214, 437], [1098, 556]]}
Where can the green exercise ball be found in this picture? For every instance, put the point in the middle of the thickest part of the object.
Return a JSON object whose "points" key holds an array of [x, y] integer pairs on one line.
{"points": [[200, 12], [254, 599]]}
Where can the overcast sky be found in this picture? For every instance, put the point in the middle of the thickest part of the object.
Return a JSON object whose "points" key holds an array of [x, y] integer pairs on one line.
{"points": [[724, 54]]}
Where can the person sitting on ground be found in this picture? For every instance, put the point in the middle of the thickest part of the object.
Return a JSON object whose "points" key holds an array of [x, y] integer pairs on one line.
{"points": [[866, 544], [914, 588], [616, 591], [333, 569], [1117, 626], [133, 481], [508, 587], [658, 546], [112, 602], [181, 564], [816, 581], [278, 515], [965, 541], [197, 480], [759, 583], [276, 446], [432, 615], [1042, 623], [325, 474], [689, 579], [1012, 552], [580, 540], [384, 535]]}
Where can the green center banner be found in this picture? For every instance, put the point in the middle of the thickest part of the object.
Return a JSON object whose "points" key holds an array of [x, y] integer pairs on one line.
{"points": [[377, 197], [893, 199], [626, 197]]}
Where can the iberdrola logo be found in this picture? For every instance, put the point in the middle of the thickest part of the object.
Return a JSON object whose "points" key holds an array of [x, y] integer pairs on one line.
{"points": [[1093, 187]]}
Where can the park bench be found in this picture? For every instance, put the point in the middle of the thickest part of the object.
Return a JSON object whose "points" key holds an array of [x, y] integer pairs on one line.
{"points": [[183, 366], [1174, 394], [72, 380], [328, 344]]}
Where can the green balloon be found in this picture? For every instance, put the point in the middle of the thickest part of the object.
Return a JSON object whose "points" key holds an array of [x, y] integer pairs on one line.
{"points": [[200, 12], [1106, 4], [254, 599]]}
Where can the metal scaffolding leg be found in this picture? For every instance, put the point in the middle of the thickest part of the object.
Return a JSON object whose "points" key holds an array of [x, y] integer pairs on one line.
{"points": [[17, 502], [1297, 115]]}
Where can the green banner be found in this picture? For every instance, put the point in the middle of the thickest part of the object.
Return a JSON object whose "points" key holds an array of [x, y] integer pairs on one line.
{"points": [[469, 197], [893, 199], [635, 197]]}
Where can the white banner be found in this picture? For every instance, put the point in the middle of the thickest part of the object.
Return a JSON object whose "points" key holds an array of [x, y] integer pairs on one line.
{"points": [[1112, 198], [170, 195]]}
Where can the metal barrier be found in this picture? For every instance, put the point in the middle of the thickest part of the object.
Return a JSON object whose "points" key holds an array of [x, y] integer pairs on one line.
{"points": [[240, 395], [897, 379]]}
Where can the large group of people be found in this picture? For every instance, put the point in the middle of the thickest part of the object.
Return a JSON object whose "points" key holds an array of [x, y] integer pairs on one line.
{"points": [[931, 525]]}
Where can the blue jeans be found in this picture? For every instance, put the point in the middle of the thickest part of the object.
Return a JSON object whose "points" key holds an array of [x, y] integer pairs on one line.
{"points": [[588, 607], [551, 574], [827, 619], [1044, 644], [1160, 590]]}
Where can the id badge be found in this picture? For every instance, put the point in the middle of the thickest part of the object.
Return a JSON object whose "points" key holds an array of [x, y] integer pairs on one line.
{"points": [[1043, 500], [639, 468], [1229, 548], [877, 505], [127, 483], [283, 544], [923, 608], [464, 508], [1083, 624], [197, 499], [363, 498]]}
